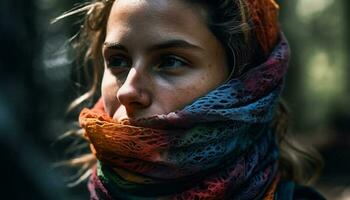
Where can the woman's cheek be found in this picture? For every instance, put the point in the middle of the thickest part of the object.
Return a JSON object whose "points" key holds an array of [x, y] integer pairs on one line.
{"points": [[109, 90]]}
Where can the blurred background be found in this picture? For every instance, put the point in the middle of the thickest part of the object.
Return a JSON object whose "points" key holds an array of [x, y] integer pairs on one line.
{"points": [[37, 68]]}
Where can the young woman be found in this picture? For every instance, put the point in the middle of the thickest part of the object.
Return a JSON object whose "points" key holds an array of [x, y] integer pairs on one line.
{"points": [[190, 104]]}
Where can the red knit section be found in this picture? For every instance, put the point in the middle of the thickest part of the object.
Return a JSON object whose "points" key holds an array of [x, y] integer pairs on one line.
{"points": [[264, 15]]}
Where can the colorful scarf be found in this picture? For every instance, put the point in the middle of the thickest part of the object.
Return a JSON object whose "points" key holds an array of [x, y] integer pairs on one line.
{"points": [[221, 146]]}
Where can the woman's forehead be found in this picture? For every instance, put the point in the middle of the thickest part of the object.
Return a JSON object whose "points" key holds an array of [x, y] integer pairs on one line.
{"points": [[140, 20], [150, 11], [152, 5]]}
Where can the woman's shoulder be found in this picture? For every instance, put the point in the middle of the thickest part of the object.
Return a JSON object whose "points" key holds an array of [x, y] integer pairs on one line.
{"points": [[289, 190]]}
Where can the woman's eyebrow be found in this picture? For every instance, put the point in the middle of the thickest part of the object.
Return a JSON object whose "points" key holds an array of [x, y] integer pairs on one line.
{"points": [[114, 45], [164, 45], [173, 44]]}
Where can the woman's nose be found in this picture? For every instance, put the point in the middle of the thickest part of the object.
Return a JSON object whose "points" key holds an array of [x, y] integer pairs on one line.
{"points": [[133, 94]]}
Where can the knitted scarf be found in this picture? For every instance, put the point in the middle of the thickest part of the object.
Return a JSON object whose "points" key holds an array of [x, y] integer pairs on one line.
{"points": [[221, 146]]}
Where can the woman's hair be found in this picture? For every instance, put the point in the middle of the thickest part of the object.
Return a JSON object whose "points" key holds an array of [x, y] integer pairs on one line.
{"points": [[233, 23]]}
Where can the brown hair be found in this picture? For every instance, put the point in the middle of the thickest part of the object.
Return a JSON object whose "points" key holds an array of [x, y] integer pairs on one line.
{"points": [[233, 24]]}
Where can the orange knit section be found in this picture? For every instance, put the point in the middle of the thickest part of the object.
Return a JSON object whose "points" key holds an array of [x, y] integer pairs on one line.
{"points": [[264, 15], [270, 194]]}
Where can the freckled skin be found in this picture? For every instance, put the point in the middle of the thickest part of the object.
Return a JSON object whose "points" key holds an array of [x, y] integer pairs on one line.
{"points": [[143, 91]]}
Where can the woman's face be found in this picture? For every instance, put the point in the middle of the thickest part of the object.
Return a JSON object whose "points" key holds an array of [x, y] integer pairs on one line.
{"points": [[159, 57]]}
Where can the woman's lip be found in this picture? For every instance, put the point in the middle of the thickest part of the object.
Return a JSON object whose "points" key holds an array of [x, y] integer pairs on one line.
{"points": [[121, 114], [124, 118], [128, 118]]}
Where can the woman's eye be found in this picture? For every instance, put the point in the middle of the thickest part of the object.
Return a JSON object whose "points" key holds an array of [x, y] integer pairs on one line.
{"points": [[117, 62], [172, 62]]}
